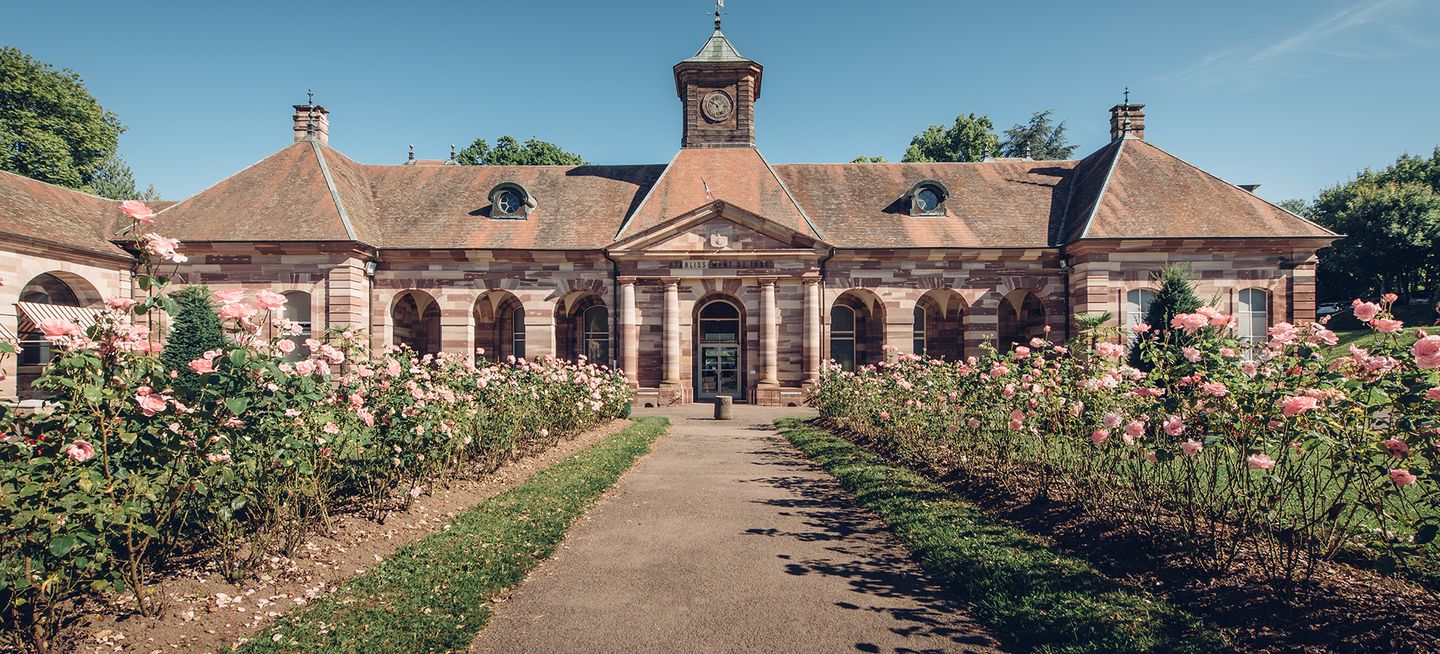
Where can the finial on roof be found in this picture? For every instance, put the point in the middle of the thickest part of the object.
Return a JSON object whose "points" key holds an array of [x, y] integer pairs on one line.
{"points": [[309, 112], [1127, 96], [719, 4], [411, 157], [452, 151]]}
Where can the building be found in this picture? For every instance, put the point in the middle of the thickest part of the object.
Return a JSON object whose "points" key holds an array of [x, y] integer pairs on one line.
{"points": [[717, 273]]}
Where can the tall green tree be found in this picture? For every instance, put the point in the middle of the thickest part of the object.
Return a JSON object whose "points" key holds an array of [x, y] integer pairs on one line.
{"points": [[509, 152], [1176, 296], [971, 138], [1391, 219], [114, 180], [1040, 139], [196, 330], [51, 128]]}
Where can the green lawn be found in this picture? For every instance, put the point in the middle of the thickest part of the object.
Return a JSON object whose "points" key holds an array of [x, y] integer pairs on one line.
{"points": [[1352, 332], [1032, 596], [433, 595]]}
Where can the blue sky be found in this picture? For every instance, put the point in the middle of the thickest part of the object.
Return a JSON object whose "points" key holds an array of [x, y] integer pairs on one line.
{"points": [[1292, 95]]}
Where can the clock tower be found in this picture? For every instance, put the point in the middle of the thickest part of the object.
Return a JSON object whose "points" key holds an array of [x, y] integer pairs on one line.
{"points": [[718, 89]]}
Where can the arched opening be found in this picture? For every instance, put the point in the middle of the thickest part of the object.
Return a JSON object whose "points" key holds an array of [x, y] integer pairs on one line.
{"points": [[719, 349], [500, 325], [857, 329], [1137, 304], [939, 330], [297, 310], [416, 319], [47, 296], [583, 328], [1022, 317], [1253, 319]]}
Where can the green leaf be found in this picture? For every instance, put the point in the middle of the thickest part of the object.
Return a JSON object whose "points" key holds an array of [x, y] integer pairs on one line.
{"points": [[61, 545], [237, 405]]}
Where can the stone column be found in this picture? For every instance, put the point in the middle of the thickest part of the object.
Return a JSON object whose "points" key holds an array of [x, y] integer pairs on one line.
{"points": [[812, 331], [457, 324], [347, 297], [629, 332], [672, 333], [769, 334]]}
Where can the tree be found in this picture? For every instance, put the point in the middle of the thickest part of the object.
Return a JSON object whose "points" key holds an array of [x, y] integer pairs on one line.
{"points": [[1296, 206], [1176, 296], [1391, 222], [114, 180], [51, 128], [196, 330], [1038, 139], [869, 159], [509, 152], [971, 138]]}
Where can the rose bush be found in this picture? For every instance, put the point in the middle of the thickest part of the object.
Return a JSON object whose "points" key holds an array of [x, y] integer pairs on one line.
{"points": [[1284, 456], [124, 469]]}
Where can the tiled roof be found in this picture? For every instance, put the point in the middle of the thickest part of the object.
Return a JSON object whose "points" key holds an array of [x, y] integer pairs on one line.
{"points": [[1154, 194], [57, 215], [992, 204], [739, 176]]}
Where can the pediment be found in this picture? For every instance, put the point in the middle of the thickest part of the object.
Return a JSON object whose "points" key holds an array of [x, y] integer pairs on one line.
{"points": [[717, 227]]}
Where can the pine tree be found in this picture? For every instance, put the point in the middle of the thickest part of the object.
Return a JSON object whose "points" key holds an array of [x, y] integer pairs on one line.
{"points": [[196, 330], [1176, 296]]}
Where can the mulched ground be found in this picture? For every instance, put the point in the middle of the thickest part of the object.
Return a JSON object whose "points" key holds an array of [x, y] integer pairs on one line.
{"points": [[205, 613], [1339, 609]]}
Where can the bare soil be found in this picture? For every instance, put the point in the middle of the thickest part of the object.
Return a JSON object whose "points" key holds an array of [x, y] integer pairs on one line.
{"points": [[205, 613], [1339, 609]]}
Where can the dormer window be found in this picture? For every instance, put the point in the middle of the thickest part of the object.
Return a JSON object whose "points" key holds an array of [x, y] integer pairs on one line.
{"points": [[511, 201], [927, 198]]}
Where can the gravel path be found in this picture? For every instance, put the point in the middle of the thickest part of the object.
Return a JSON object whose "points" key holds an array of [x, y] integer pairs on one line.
{"points": [[725, 539]]}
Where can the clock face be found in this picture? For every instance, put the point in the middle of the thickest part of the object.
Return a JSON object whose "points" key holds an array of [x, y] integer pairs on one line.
{"points": [[717, 106]]}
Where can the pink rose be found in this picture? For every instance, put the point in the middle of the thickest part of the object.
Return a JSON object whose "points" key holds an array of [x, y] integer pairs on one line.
{"points": [[1191, 447], [120, 303], [1294, 404], [1259, 462], [138, 211], [1110, 350], [1112, 419], [237, 311], [1099, 435], [1427, 352], [1401, 477], [1365, 311], [1433, 393], [230, 295], [150, 404], [884, 415], [1217, 389], [202, 366], [286, 346], [270, 300], [1190, 322], [54, 328], [1021, 352], [1134, 431], [1174, 425], [1389, 298], [1140, 328], [80, 451], [304, 368], [165, 248], [1387, 325], [1398, 448], [330, 428], [1191, 354]]}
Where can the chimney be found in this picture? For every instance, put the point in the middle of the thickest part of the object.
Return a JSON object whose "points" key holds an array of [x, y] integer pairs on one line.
{"points": [[1127, 120], [312, 119]]}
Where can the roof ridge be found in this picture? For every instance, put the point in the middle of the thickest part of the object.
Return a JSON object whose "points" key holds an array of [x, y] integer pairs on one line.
{"points": [[813, 228], [334, 192], [1238, 189], [625, 224], [1104, 187]]}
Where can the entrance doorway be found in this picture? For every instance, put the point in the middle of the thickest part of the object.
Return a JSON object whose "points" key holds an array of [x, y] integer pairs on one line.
{"points": [[719, 351]]}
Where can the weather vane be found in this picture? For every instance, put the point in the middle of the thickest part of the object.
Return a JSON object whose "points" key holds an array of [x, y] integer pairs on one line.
{"points": [[719, 4], [1127, 96]]}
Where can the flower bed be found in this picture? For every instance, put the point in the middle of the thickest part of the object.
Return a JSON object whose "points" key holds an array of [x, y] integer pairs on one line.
{"points": [[134, 464], [1288, 458]]}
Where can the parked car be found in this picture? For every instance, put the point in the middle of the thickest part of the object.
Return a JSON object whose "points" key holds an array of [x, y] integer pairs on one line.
{"points": [[1327, 308]]}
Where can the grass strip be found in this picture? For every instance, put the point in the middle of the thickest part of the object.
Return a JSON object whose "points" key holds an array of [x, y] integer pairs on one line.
{"points": [[1033, 597], [433, 595]]}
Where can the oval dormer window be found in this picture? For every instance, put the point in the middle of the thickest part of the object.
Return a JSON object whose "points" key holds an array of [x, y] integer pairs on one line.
{"points": [[510, 200], [927, 198]]}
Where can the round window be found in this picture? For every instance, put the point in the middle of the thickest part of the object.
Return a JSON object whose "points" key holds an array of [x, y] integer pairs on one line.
{"points": [[509, 201], [928, 199]]}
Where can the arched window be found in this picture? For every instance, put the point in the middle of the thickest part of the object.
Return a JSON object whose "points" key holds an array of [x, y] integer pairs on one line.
{"points": [[43, 289], [1253, 317], [1137, 304], [597, 334], [918, 331], [517, 332], [297, 309], [842, 336]]}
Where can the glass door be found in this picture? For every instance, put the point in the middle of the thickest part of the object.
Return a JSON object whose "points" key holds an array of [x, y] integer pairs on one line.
{"points": [[719, 371]]}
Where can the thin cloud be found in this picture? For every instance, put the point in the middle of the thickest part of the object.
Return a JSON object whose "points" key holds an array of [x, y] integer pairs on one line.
{"points": [[1261, 61]]}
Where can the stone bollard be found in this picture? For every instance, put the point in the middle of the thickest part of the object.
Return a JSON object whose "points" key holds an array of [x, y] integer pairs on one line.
{"points": [[723, 403]]}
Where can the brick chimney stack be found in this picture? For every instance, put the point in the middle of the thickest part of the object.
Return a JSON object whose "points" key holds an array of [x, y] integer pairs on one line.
{"points": [[1127, 120], [312, 118]]}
